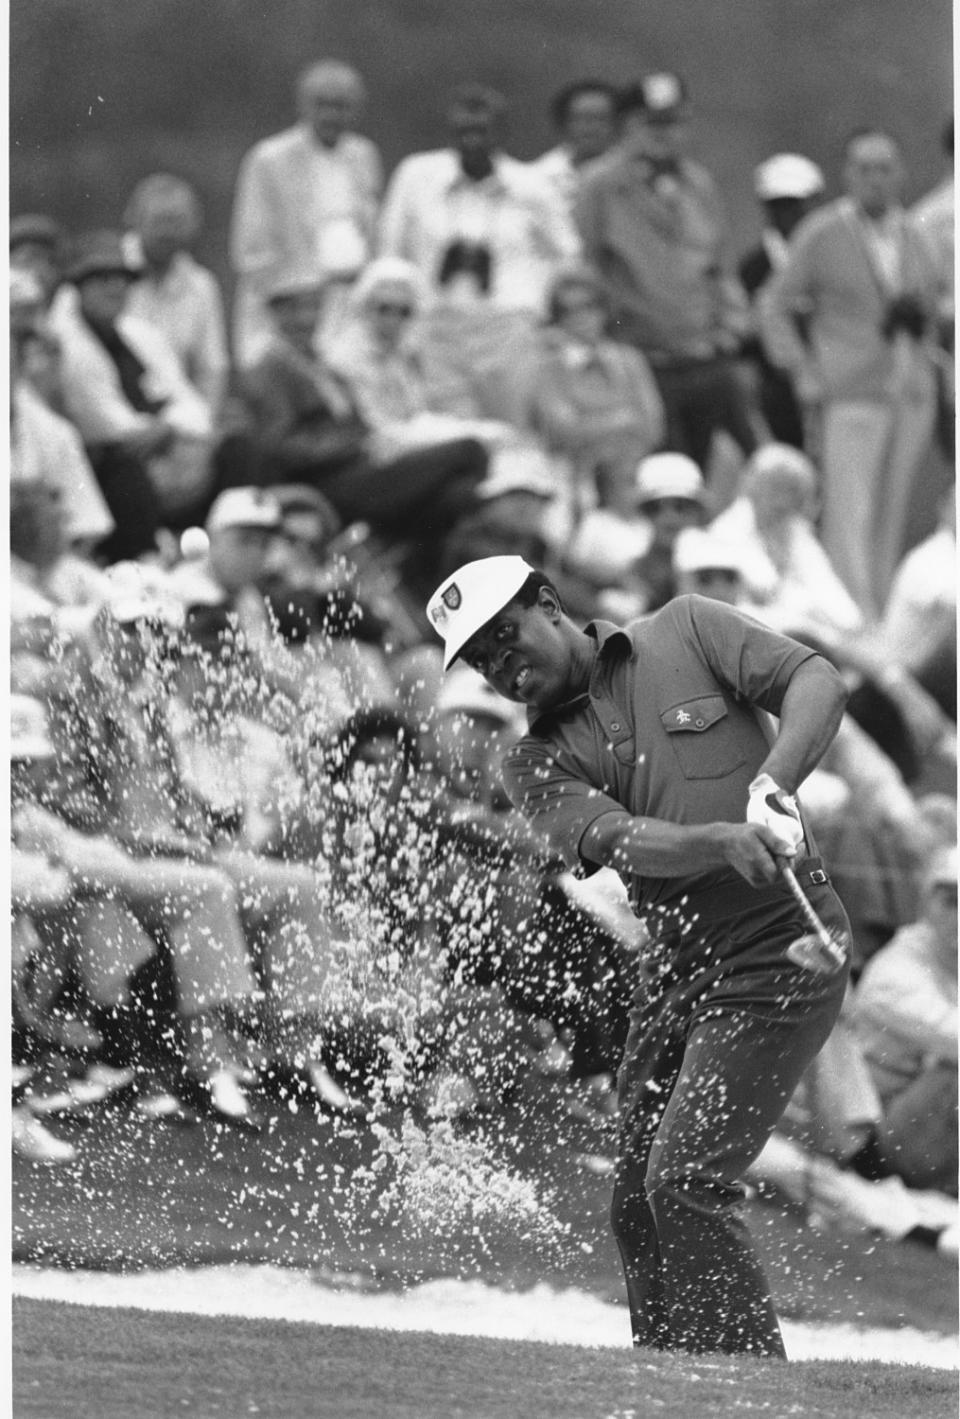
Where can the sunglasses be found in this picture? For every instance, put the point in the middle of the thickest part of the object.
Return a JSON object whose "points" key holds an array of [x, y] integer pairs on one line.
{"points": [[394, 308]]}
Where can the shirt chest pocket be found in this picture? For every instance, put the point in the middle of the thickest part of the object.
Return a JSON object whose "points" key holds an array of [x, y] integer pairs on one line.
{"points": [[703, 738]]}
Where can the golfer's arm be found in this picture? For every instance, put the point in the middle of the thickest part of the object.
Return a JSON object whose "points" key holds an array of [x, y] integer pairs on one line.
{"points": [[652, 847], [810, 716]]}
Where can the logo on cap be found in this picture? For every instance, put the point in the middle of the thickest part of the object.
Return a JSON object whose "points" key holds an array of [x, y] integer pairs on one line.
{"points": [[437, 615], [451, 596]]}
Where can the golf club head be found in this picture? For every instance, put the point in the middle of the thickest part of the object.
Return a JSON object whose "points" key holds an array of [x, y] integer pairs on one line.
{"points": [[813, 954]]}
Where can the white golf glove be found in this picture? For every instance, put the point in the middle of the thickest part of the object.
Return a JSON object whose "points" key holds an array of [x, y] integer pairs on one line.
{"points": [[770, 806]]}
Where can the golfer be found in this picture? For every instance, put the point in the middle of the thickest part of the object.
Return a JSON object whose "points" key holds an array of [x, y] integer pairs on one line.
{"points": [[671, 750]]}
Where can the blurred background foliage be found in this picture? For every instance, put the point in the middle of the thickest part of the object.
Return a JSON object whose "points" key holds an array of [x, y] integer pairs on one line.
{"points": [[105, 91]]}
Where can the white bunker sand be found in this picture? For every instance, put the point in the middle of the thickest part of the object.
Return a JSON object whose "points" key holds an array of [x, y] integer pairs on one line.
{"points": [[448, 1307]]}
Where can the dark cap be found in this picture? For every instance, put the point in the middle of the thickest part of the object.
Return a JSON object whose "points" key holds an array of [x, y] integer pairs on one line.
{"points": [[100, 254], [36, 228]]}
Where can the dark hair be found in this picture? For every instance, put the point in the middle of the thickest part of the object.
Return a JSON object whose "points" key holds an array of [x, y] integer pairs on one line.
{"points": [[564, 99], [530, 590], [477, 99], [377, 722]]}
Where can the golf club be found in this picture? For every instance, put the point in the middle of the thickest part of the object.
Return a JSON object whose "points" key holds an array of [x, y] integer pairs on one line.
{"points": [[817, 950]]}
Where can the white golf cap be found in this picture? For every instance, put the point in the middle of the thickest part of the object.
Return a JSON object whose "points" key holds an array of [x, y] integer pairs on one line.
{"points": [[787, 175], [468, 599], [29, 737], [243, 507], [698, 550], [669, 475]]}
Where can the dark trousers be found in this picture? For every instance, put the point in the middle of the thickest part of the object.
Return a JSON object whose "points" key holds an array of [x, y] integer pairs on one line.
{"points": [[700, 397], [418, 494], [132, 499], [719, 1037]]}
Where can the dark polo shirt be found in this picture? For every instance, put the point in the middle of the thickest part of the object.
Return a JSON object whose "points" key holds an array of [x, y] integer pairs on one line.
{"points": [[668, 729]]}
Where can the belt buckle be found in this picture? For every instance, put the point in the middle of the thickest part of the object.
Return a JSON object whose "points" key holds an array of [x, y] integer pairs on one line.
{"points": [[818, 876]]}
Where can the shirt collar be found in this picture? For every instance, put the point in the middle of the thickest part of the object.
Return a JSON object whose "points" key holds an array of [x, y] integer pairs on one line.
{"points": [[497, 181], [607, 636]]}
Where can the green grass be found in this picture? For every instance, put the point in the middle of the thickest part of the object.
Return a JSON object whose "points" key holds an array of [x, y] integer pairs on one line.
{"points": [[88, 1363], [144, 1195]]}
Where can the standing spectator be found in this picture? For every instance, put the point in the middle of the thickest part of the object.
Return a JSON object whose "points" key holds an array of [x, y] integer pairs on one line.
{"points": [[594, 400], [906, 1015], [486, 234], [786, 186], [584, 115], [305, 197], [652, 225], [147, 431], [175, 294], [934, 216], [864, 279]]}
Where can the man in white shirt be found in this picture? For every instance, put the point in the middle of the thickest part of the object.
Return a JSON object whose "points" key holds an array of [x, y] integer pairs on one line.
{"points": [[473, 219], [305, 198], [487, 234], [174, 293], [864, 280], [584, 115]]}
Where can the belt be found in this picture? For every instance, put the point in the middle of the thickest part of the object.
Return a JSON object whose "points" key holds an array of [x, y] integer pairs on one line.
{"points": [[732, 898]]}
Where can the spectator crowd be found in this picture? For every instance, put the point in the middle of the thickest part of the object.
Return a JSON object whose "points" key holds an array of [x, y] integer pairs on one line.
{"points": [[259, 838]]}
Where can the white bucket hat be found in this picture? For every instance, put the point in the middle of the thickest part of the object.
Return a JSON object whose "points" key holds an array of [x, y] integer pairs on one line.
{"points": [[468, 598]]}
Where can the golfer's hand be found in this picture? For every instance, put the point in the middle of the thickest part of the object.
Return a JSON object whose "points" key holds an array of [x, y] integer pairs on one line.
{"points": [[770, 807], [755, 851]]}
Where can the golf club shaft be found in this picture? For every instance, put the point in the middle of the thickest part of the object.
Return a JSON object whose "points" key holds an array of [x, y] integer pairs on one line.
{"points": [[789, 876]]}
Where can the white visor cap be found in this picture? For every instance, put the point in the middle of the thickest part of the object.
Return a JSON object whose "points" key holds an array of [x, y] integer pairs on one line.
{"points": [[469, 597]]}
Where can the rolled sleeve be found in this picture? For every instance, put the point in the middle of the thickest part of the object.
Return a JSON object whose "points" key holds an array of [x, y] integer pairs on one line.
{"points": [[559, 805]]}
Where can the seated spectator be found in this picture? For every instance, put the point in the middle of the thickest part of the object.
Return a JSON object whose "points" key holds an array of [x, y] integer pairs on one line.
{"points": [[789, 579], [515, 503], [785, 186], [670, 495], [174, 294], [704, 564], [377, 350], [594, 401], [584, 116], [310, 430], [48, 582], [37, 888], [132, 784], [906, 1015], [147, 432], [103, 817], [37, 244], [486, 234], [46, 447], [918, 625]]}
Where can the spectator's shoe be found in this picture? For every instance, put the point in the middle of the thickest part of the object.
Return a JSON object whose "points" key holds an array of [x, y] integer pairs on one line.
{"points": [[329, 1093], [36, 1144], [227, 1101]]}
